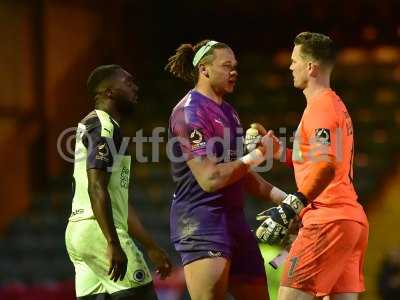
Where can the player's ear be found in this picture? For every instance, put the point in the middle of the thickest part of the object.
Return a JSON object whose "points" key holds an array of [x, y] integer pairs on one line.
{"points": [[108, 92], [309, 66], [203, 70], [313, 69]]}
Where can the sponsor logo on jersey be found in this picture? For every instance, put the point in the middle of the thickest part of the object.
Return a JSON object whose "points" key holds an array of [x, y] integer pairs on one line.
{"points": [[219, 122], [124, 178], [77, 212]]}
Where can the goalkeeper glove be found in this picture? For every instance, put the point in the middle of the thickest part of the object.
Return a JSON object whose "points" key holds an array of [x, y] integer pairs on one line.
{"points": [[276, 219], [252, 138]]}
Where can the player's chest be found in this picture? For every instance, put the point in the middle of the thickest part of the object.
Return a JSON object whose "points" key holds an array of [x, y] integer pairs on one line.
{"points": [[301, 143], [224, 124]]}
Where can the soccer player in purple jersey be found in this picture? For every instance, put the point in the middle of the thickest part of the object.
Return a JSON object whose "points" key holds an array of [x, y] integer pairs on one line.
{"points": [[208, 226]]}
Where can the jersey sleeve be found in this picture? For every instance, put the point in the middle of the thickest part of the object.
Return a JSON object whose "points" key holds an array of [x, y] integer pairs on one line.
{"points": [[99, 154], [322, 129], [192, 131]]}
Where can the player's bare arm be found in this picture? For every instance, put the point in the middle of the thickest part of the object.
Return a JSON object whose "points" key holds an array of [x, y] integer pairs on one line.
{"points": [[156, 254], [258, 187], [212, 176], [101, 206]]}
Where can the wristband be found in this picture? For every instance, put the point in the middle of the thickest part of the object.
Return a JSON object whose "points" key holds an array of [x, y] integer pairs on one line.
{"points": [[302, 198], [253, 159], [277, 195], [296, 201]]}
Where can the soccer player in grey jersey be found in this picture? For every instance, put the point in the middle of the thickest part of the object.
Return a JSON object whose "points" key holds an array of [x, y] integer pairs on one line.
{"points": [[107, 263]]}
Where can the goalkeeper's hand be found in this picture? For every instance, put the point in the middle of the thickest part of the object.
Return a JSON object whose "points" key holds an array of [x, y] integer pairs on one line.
{"points": [[276, 219], [257, 135], [252, 138]]}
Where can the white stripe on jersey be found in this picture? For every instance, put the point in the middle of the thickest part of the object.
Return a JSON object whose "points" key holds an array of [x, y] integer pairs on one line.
{"points": [[188, 100]]}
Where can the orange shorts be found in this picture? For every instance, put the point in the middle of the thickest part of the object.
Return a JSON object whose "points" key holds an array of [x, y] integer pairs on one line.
{"points": [[327, 259]]}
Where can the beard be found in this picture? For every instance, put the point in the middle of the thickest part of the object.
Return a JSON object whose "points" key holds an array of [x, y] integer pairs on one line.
{"points": [[125, 107]]}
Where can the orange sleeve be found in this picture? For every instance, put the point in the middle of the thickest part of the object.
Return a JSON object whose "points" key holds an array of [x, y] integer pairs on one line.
{"points": [[288, 157], [320, 177], [321, 128]]}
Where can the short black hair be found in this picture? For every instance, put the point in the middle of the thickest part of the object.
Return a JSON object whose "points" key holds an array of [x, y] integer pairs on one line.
{"points": [[98, 75], [317, 46]]}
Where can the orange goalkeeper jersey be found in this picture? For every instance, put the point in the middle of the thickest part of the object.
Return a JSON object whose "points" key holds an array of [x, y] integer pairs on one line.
{"points": [[326, 129]]}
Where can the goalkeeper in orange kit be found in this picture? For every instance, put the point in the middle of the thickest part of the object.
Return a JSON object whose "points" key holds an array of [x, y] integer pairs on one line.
{"points": [[327, 256]]}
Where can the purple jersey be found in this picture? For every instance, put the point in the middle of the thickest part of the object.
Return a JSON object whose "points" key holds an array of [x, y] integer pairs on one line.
{"points": [[200, 127]]}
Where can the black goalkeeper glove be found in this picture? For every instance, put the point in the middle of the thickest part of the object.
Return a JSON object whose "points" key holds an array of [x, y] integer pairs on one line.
{"points": [[276, 219]]}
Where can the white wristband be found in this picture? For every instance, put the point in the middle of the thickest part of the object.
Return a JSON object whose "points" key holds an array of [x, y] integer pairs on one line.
{"points": [[277, 195], [253, 159]]}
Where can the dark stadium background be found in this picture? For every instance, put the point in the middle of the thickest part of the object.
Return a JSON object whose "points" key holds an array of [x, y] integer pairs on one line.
{"points": [[49, 47]]}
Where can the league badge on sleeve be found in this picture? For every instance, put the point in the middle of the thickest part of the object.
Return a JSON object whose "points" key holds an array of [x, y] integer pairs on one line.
{"points": [[196, 139], [102, 152], [323, 136]]}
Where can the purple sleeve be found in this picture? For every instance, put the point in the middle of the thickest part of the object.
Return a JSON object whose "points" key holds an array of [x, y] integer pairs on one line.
{"points": [[99, 155], [192, 130]]}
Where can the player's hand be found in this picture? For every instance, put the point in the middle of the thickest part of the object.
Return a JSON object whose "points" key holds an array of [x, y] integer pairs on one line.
{"points": [[252, 138], [272, 144], [118, 261], [160, 260], [289, 209], [257, 135], [276, 220], [274, 226], [259, 128]]}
